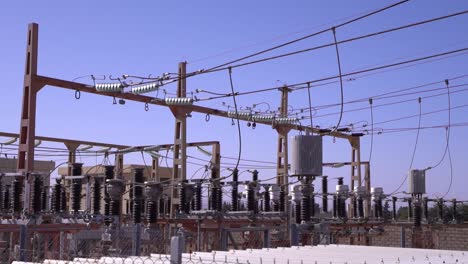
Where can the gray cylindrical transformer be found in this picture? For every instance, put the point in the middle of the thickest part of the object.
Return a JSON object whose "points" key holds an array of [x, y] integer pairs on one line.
{"points": [[306, 155]]}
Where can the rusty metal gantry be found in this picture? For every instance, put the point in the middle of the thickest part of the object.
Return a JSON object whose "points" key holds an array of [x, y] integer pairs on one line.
{"points": [[33, 83]]}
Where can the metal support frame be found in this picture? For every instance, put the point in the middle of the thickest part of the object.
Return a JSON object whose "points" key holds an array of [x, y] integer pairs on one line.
{"points": [[155, 169], [216, 158], [72, 147], [282, 153], [180, 138], [356, 180], [33, 83], [28, 113], [119, 162]]}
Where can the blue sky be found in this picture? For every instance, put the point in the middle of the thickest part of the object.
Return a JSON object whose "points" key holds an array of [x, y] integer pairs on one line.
{"points": [[118, 37]]}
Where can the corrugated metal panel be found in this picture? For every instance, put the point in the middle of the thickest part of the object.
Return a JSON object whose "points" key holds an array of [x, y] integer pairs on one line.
{"points": [[417, 181], [306, 155]]}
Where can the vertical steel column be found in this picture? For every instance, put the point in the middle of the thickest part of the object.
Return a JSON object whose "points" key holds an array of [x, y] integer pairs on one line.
{"points": [[216, 158], [180, 139], [119, 162], [155, 169], [72, 147], [356, 180], [28, 112], [282, 164], [282, 154]]}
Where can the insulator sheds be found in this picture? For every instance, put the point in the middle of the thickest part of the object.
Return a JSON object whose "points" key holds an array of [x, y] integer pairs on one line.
{"points": [[219, 199], [6, 198], [97, 196], [325, 194], [114, 207], [240, 114], [137, 208], [183, 200], [416, 214], [109, 87], [425, 202], [56, 195], [151, 212], [213, 200], [107, 212], [146, 88], [44, 198], [266, 199], [297, 211], [76, 195], [37, 191], [235, 197], [153, 191], [115, 189], [178, 100], [251, 199], [109, 175], [16, 194], [282, 200], [305, 208], [63, 199], [198, 197], [137, 203]]}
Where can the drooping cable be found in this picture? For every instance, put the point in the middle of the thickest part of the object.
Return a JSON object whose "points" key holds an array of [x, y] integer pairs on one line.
{"points": [[237, 119], [451, 172], [341, 81], [447, 129], [417, 135], [372, 134], [414, 149]]}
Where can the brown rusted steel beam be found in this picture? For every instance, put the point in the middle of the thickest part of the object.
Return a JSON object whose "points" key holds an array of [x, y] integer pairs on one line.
{"points": [[146, 99], [68, 141]]}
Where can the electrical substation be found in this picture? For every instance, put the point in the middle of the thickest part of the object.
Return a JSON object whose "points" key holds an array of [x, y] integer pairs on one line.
{"points": [[111, 211]]}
